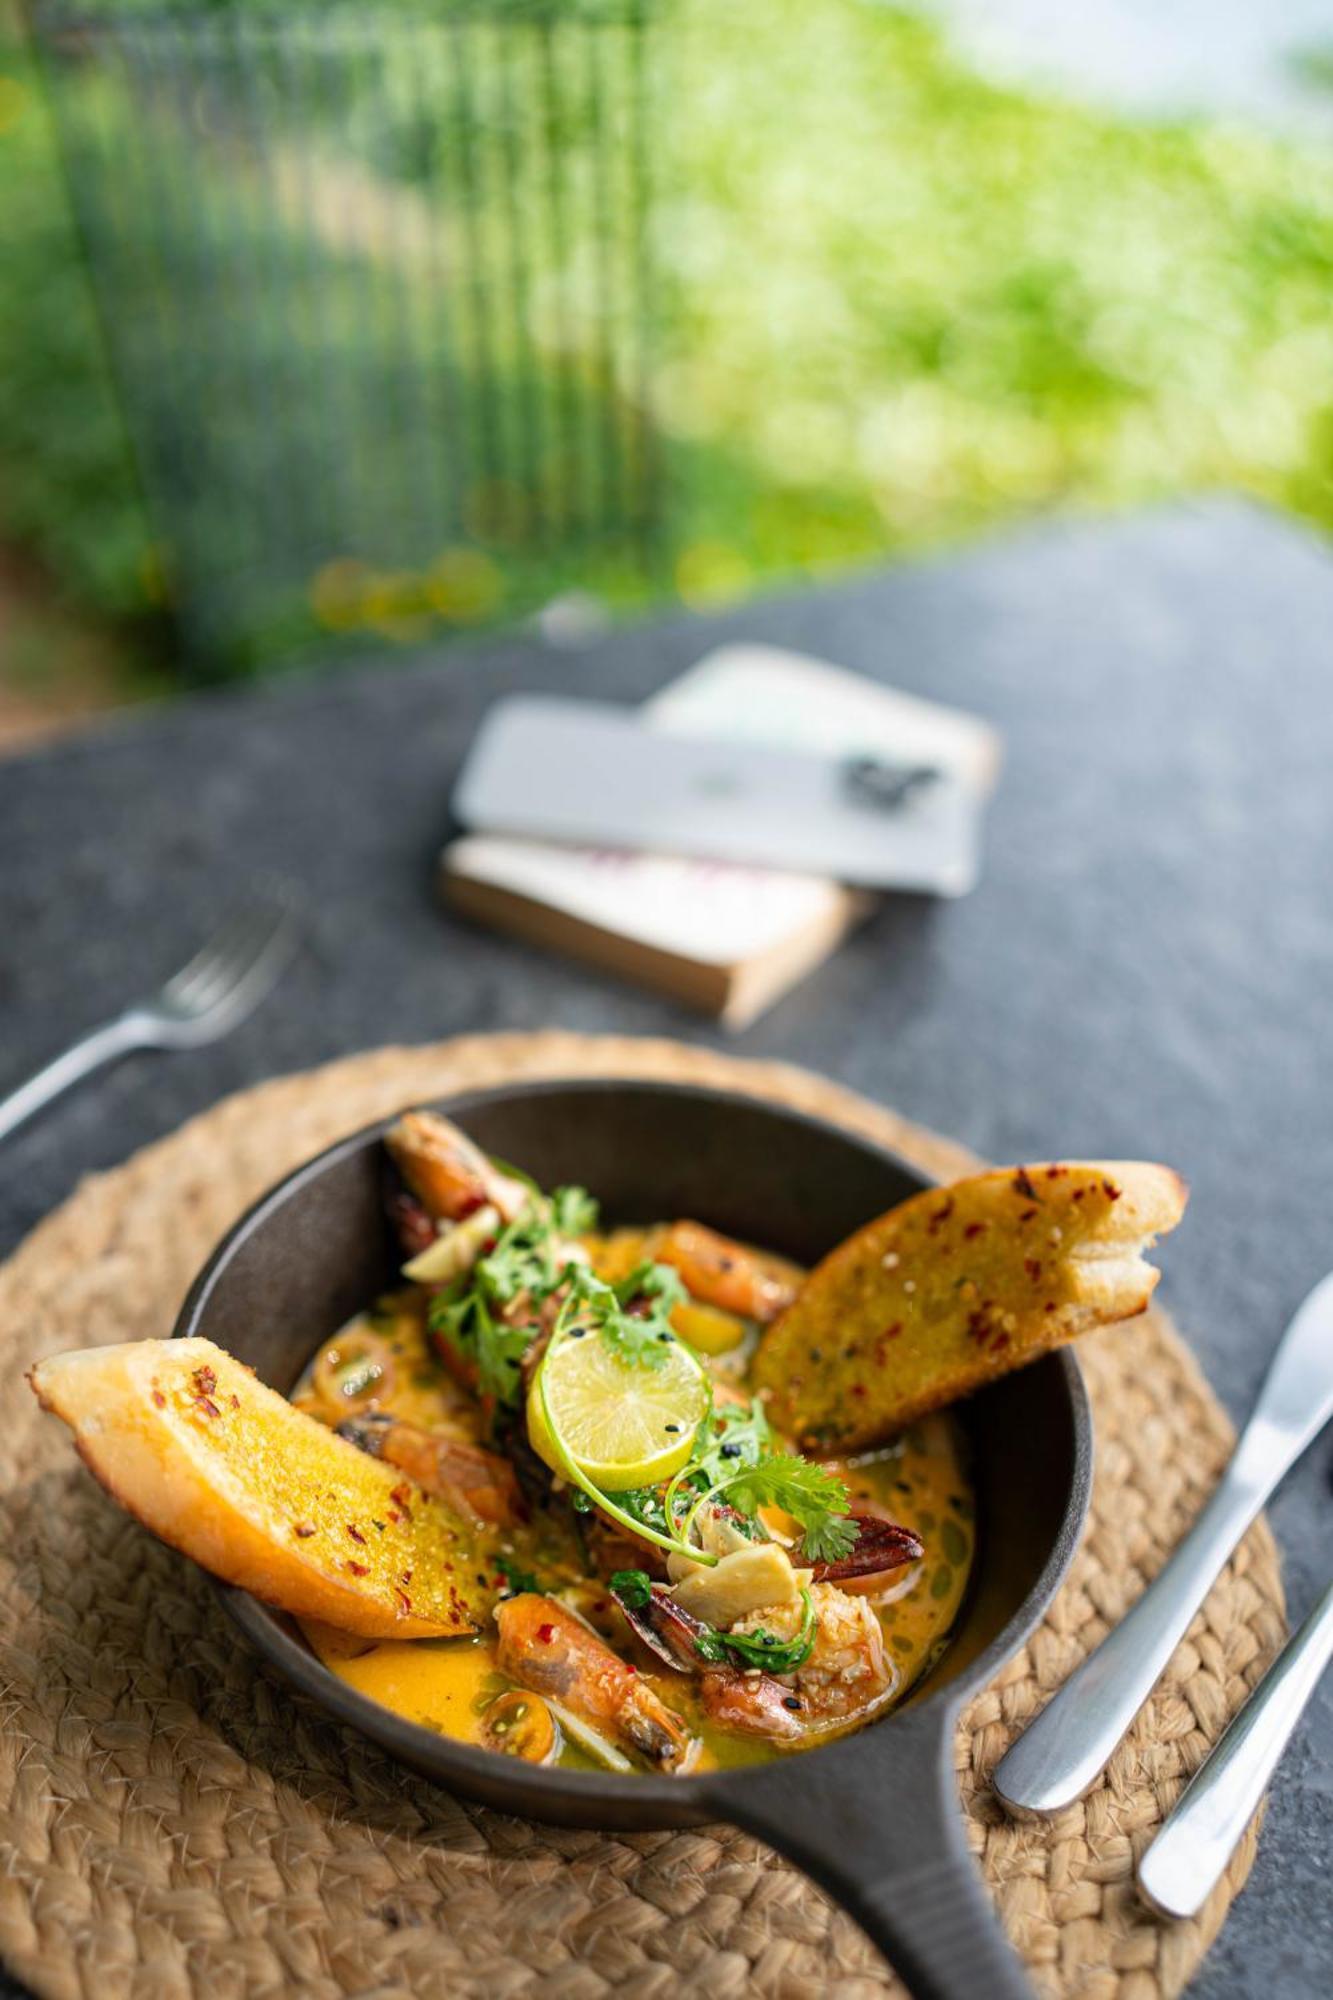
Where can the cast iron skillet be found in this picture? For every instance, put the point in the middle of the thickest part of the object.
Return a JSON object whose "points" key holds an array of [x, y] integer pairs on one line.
{"points": [[874, 1817]]}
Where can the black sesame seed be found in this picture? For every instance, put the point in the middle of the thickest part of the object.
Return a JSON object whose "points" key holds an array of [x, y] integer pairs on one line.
{"points": [[790, 1701], [730, 1451]]}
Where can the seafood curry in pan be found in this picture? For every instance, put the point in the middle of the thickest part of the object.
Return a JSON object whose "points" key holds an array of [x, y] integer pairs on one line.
{"points": [[639, 1497]]}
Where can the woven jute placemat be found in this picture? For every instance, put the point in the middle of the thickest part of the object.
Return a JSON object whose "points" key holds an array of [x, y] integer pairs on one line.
{"points": [[175, 1821]]}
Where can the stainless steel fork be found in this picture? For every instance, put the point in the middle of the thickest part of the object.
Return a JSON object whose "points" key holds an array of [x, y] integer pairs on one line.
{"points": [[205, 1000]]}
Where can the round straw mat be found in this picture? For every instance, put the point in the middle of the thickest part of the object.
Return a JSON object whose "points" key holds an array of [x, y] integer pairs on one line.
{"points": [[175, 1821]]}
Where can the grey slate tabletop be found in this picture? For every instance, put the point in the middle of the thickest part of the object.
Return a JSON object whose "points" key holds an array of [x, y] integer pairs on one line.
{"points": [[1146, 969]]}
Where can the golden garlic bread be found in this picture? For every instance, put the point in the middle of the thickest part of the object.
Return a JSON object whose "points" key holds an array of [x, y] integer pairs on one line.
{"points": [[958, 1285], [224, 1469]]}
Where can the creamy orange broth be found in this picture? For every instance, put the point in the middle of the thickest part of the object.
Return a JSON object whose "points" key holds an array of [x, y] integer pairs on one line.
{"points": [[447, 1684]]}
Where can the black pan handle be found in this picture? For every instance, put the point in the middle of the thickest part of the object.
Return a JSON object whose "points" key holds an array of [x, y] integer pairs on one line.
{"points": [[875, 1820]]}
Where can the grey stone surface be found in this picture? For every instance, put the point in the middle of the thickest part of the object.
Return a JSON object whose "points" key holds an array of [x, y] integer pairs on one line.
{"points": [[1146, 969]]}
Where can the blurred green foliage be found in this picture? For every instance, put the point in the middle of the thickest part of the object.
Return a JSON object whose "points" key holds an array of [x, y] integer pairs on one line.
{"points": [[896, 303], [67, 487], [908, 302]]}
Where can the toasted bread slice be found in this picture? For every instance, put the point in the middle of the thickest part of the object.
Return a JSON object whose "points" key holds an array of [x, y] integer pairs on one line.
{"points": [[224, 1469], [958, 1285]]}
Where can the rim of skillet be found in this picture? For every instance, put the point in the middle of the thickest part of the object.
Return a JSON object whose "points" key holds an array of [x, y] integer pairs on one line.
{"points": [[428, 1750]]}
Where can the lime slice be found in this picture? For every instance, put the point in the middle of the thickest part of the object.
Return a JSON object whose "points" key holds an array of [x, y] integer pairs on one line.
{"points": [[618, 1423]]}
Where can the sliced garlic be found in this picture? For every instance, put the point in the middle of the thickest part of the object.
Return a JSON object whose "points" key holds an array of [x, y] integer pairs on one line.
{"points": [[757, 1575], [455, 1250]]}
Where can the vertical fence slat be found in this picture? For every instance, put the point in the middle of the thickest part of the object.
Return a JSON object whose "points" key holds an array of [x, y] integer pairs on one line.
{"points": [[532, 422], [646, 466]]}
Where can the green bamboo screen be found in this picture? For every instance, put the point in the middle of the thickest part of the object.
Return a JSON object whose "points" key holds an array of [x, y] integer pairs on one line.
{"points": [[375, 295]]}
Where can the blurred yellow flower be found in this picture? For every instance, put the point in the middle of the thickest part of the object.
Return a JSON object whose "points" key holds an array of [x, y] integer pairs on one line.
{"points": [[395, 604], [464, 586], [338, 592]]}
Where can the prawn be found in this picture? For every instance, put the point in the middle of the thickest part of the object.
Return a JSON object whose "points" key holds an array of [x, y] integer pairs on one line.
{"points": [[721, 1272], [447, 1173], [478, 1484], [845, 1678], [549, 1651], [847, 1675]]}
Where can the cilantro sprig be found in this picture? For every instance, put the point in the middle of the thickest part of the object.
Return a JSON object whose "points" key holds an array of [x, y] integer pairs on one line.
{"points": [[634, 1587], [633, 1315], [737, 1465], [736, 1435], [527, 1262], [573, 1211], [810, 1493]]}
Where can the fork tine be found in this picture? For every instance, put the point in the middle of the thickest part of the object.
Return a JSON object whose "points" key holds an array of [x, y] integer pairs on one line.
{"points": [[252, 931], [266, 965], [193, 979], [240, 959], [180, 982], [248, 950]]}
